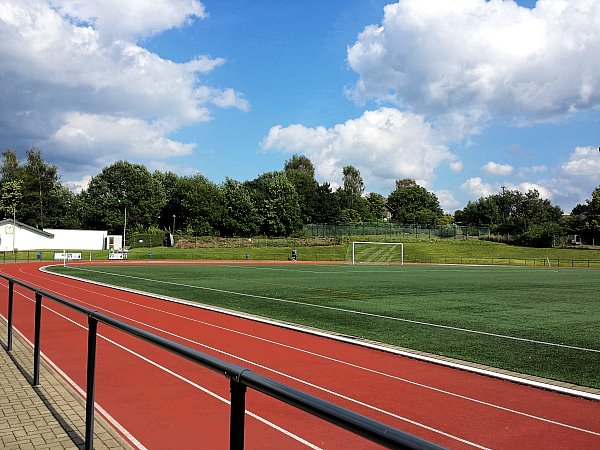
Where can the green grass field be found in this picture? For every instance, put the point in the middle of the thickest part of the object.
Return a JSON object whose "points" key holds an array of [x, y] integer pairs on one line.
{"points": [[490, 315]]}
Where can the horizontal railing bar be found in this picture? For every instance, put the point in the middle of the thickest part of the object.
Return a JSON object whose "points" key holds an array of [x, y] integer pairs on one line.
{"points": [[62, 301], [359, 424], [344, 418]]}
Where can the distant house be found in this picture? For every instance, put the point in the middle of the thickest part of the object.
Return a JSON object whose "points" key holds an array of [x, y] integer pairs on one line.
{"points": [[20, 236]]}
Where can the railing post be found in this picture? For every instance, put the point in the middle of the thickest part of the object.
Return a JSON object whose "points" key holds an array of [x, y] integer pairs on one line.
{"points": [[91, 383], [11, 289], [36, 342], [238, 413]]}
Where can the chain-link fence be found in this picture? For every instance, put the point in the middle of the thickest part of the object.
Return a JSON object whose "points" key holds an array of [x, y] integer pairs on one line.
{"points": [[416, 231]]}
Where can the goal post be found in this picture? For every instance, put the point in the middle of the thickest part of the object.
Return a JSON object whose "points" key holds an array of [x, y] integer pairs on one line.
{"points": [[356, 244]]}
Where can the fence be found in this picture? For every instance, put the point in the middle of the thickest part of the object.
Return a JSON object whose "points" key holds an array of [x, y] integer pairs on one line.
{"points": [[392, 229], [240, 380]]}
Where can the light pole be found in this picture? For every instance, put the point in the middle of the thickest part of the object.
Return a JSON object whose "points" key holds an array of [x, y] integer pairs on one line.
{"points": [[124, 230], [173, 230], [14, 225]]}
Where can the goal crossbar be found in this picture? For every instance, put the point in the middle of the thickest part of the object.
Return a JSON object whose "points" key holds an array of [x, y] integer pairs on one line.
{"points": [[354, 243]]}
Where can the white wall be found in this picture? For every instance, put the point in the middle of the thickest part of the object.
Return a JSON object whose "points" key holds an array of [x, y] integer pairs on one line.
{"points": [[23, 239], [26, 239], [77, 239]]}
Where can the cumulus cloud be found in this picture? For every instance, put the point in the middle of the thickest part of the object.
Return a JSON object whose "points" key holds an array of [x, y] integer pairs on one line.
{"points": [[447, 201], [457, 166], [384, 144], [463, 62], [583, 162], [476, 188], [492, 168], [76, 82]]}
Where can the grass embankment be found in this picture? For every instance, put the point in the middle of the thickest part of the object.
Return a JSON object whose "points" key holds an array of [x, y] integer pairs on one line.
{"points": [[424, 251]]}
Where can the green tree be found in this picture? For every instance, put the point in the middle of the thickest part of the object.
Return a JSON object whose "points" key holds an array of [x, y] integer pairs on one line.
{"points": [[275, 198], [49, 204], [327, 205], [483, 212], [586, 217], [376, 206], [301, 173], [11, 197], [121, 187], [352, 189], [168, 181], [411, 203], [240, 216], [198, 204]]}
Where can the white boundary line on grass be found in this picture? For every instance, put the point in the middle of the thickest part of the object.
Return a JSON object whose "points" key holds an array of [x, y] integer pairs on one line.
{"points": [[350, 339]]}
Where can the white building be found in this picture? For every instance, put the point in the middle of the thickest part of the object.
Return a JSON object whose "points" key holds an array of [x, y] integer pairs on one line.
{"points": [[17, 235]]}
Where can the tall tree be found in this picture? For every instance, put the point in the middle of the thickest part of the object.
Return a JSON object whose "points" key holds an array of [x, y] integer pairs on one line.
{"points": [[198, 204], [49, 203], [119, 187], [376, 206], [586, 217], [240, 216], [411, 203], [301, 173], [353, 186], [277, 202], [327, 205]]}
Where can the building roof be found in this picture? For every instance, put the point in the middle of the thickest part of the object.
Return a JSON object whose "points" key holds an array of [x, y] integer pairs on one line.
{"points": [[24, 226]]}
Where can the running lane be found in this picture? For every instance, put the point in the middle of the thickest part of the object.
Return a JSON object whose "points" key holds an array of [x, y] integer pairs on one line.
{"points": [[166, 402]]}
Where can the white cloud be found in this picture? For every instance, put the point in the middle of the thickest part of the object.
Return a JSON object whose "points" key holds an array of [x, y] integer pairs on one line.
{"points": [[447, 201], [476, 188], [78, 185], [384, 145], [109, 137], [583, 162], [465, 61], [457, 166], [492, 168], [526, 186], [76, 82], [131, 19]]}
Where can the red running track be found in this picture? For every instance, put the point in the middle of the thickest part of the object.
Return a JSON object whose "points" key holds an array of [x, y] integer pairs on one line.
{"points": [[166, 402]]}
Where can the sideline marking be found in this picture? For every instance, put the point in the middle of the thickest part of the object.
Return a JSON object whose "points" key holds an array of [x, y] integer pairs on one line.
{"points": [[170, 372], [380, 316]]}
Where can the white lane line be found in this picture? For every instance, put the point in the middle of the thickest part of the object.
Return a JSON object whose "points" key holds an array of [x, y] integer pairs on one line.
{"points": [[350, 311], [502, 408], [176, 375], [81, 392], [405, 419]]}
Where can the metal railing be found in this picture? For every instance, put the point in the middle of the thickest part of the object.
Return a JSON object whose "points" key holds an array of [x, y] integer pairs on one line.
{"points": [[240, 379]]}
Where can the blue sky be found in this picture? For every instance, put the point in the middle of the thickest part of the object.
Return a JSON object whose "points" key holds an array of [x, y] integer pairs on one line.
{"points": [[464, 96]]}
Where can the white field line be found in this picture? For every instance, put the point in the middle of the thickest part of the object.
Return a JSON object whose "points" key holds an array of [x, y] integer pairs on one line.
{"points": [[350, 311], [170, 372], [366, 369]]}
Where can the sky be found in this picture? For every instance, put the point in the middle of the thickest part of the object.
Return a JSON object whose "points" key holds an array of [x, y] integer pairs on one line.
{"points": [[464, 96]]}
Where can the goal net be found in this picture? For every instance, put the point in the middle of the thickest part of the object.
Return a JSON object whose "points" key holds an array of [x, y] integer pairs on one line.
{"points": [[378, 252]]}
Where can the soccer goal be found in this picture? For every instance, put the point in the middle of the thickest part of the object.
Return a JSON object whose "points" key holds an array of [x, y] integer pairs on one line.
{"points": [[382, 252]]}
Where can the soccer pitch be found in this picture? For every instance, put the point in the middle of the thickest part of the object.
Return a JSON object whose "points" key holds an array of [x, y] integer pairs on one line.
{"points": [[537, 321]]}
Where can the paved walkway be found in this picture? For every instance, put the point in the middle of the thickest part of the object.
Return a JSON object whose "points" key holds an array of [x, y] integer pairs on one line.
{"points": [[49, 416]]}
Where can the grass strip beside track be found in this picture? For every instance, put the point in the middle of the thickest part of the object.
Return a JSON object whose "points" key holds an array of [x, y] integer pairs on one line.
{"points": [[537, 321]]}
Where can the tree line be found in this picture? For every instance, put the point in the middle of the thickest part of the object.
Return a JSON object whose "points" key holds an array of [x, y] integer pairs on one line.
{"points": [[274, 204]]}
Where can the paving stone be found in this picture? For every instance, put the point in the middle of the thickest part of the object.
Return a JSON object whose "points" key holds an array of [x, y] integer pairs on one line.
{"points": [[27, 422]]}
